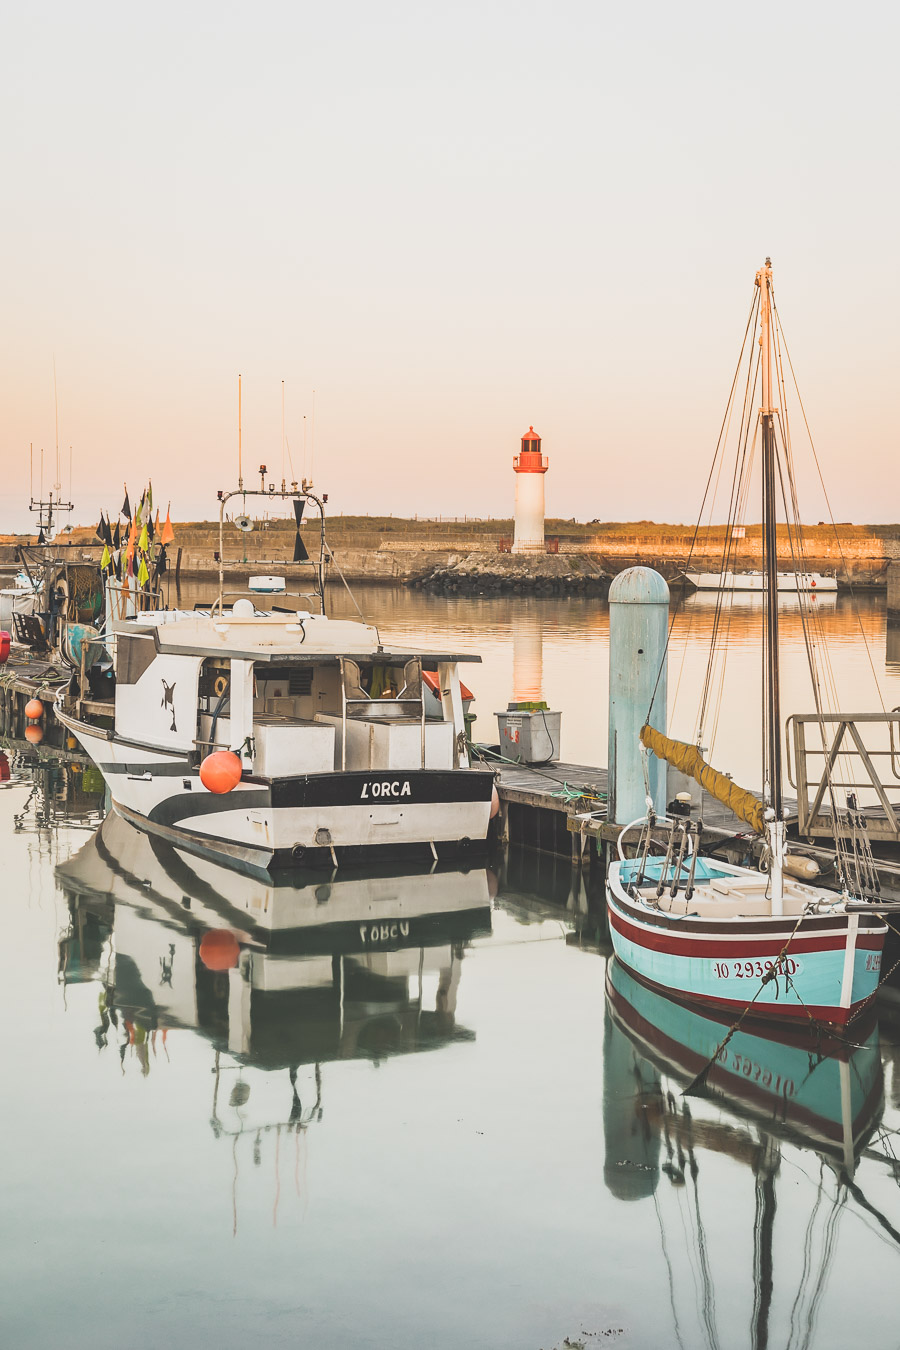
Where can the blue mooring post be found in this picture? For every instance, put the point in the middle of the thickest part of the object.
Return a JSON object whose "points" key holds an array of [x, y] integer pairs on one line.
{"points": [[638, 630]]}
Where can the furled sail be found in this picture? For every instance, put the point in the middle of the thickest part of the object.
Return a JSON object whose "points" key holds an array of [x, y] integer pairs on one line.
{"points": [[687, 759]]}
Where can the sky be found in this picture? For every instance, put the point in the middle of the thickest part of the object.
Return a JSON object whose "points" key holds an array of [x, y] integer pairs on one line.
{"points": [[451, 223]]}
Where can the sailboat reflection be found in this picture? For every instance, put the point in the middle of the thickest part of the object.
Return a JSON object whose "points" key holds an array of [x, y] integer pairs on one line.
{"points": [[276, 977], [760, 1094]]}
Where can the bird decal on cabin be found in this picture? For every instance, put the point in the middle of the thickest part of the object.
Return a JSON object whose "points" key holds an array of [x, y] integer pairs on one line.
{"points": [[168, 701]]}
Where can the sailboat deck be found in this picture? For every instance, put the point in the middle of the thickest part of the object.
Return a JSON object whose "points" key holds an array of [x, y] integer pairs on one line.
{"points": [[732, 897]]}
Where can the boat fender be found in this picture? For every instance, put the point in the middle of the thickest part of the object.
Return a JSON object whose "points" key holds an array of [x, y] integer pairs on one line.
{"points": [[804, 869], [220, 684], [495, 801], [4, 647], [34, 710], [221, 771], [219, 949]]}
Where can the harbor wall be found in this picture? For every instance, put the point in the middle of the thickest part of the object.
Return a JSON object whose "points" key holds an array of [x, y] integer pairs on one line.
{"points": [[398, 551]]}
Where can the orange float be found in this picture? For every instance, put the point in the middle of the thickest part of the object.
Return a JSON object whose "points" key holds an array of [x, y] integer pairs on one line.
{"points": [[34, 710], [34, 734], [219, 949], [221, 771]]}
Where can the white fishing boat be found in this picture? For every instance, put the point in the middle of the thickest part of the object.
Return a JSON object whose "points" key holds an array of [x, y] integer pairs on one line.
{"points": [[732, 937], [756, 583], [268, 738]]}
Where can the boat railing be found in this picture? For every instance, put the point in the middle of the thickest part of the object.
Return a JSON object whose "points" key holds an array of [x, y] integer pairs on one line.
{"points": [[814, 770]]}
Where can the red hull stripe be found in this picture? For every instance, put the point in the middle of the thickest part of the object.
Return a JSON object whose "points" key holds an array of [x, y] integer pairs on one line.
{"points": [[658, 941]]}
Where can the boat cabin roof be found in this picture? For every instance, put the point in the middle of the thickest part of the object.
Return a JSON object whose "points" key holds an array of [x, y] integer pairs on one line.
{"points": [[302, 639]]}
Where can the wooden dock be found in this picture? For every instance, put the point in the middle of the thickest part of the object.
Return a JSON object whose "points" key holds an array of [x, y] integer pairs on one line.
{"points": [[559, 807]]}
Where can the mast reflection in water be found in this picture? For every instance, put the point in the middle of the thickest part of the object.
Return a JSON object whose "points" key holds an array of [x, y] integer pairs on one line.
{"points": [[667, 1069]]}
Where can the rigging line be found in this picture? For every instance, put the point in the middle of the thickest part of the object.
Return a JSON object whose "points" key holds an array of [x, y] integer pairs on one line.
{"points": [[709, 1290], [814, 675], [667, 1259], [737, 371], [825, 1264], [806, 1269], [815, 456], [727, 556]]}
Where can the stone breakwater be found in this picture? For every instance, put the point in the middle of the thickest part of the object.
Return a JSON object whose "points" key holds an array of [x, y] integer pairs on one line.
{"points": [[515, 574]]}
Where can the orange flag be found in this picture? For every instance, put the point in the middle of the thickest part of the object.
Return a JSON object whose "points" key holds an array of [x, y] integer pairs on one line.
{"points": [[168, 534]]}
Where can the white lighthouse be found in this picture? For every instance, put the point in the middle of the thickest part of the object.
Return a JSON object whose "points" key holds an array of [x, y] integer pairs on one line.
{"points": [[530, 466]]}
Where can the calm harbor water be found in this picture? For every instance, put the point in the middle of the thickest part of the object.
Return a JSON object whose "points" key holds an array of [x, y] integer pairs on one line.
{"points": [[409, 1111]]}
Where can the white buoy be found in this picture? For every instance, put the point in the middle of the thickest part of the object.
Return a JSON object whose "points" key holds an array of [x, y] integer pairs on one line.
{"points": [[638, 630]]}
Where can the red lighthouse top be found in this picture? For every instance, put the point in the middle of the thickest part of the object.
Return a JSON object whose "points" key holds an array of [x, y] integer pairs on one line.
{"points": [[530, 459]]}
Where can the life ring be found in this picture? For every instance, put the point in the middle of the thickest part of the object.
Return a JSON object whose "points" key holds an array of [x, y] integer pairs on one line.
{"points": [[220, 684]]}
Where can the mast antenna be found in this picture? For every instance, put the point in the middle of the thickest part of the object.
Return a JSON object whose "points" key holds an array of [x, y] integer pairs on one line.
{"points": [[240, 468], [282, 435]]}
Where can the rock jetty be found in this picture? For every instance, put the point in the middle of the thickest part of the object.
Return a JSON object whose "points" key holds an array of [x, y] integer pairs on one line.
{"points": [[515, 574]]}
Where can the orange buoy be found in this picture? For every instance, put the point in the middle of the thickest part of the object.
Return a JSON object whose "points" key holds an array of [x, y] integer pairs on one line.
{"points": [[34, 710], [221, 771], [34, 733], [219, 949]]}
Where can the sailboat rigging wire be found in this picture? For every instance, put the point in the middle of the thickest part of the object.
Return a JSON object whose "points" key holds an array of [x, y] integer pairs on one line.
{"points": [[846, 570], [722, 429], [668, 1261], [794, 1321], [810, 650], [738, 491]]}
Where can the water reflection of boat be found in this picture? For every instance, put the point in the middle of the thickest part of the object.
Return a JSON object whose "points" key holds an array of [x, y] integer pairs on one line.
{"points": [[760, 1097], [278, 975], [821, 1091]]}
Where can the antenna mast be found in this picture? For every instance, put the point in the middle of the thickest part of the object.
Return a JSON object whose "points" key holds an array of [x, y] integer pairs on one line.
{"points": [[770, 542]]}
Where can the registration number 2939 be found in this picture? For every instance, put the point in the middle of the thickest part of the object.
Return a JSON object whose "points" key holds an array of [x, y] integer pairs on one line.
{"points": [[750, 970]]}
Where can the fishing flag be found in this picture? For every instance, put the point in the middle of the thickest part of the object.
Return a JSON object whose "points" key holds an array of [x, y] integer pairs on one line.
{"points": [[99, 532], [126, 506], [105, 558], [117, 538], [168, 534], [143, 574], [300, 553], [154, 528], [144, 541]]}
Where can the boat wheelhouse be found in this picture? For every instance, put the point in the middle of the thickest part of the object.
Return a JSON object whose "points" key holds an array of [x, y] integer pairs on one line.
{"points": [[335, 752]]}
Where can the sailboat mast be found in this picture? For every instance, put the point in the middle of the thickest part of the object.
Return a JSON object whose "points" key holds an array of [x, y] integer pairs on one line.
{"points": [[770, 545]]}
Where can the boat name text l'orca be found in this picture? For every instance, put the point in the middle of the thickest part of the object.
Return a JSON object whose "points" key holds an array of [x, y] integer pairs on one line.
{"points": [[386, 789]]}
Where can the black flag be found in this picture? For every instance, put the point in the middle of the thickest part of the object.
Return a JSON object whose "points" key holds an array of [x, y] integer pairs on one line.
{"points": [[100, 532], [300, 553], [117, 537], [126, 507]]}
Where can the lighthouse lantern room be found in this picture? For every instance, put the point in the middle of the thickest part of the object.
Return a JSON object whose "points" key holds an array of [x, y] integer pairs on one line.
{"points": [[529, 466]]}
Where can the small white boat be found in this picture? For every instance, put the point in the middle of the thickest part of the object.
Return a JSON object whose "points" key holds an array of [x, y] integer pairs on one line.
{"points": [[270, 738], [755, 582]]}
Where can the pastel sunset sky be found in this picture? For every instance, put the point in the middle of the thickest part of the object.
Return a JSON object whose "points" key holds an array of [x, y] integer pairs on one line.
{"points": [[450, 222]]}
